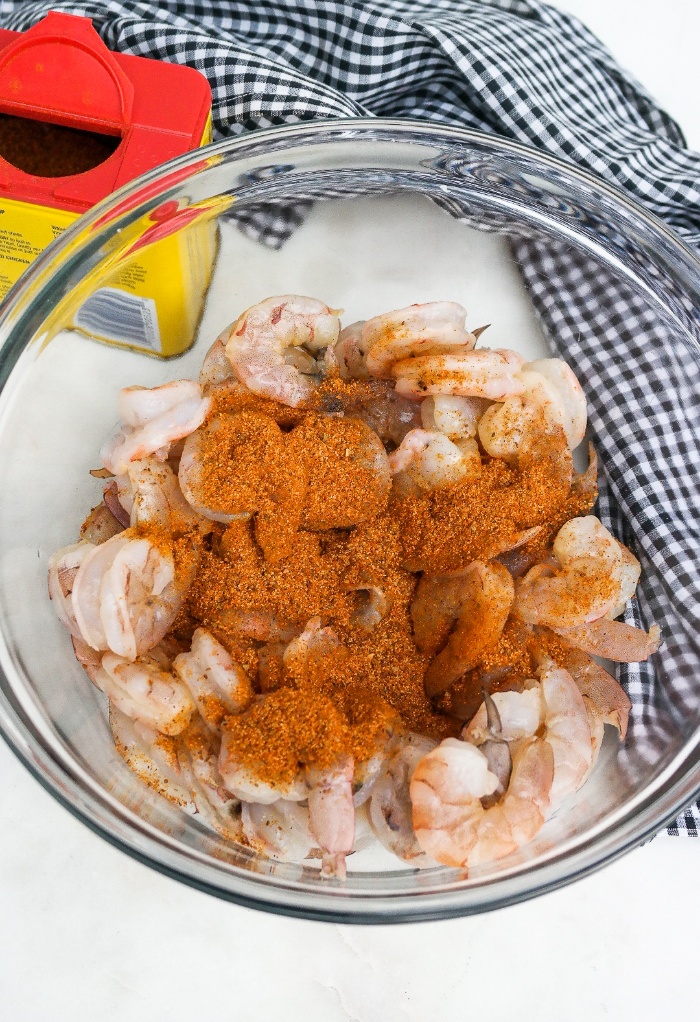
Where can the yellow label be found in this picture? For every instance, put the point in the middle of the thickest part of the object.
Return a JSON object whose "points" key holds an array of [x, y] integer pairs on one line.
{"points": [[147, 294], [25, 231]]}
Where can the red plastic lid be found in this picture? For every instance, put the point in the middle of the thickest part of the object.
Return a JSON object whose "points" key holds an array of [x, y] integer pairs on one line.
{"points": [[60, 71], [61, 68]]}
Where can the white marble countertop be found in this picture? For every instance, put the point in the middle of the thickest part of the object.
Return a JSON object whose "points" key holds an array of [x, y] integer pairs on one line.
{"points": [[88, 933]]}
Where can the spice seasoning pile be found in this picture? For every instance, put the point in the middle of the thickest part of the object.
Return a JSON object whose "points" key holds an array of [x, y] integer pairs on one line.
{"points": [[323, 557]]}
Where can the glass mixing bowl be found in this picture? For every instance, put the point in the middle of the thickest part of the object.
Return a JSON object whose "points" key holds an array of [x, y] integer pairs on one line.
{"points": [[376, 215]]}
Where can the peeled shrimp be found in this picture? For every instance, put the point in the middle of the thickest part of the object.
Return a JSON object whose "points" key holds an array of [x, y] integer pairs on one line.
{"points": [[349, 476], [595, 684], [146, 691], [153, 418], [203, 470], [559, 392], [151, 490], [279, 830], [307, 651], [332, 814], [520, 715], [450, 822], [125, 597], [486, 601], [374, 605], [256, 344], [197, 759], [554, 703], [152, 757], [614, 640], [216, 682], [377, 404], [586, 585], [390, 804], [244, 784], [432, 460], [415, 330], [567, 730], [351, 353], [216, 367], [100, 525], [483, 373], [456, 417], [551, 393], [436, 605], [63, 568], [629, 576]]}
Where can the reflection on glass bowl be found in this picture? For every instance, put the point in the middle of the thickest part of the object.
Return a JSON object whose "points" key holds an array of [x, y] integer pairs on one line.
{"points": [[367, 215]]}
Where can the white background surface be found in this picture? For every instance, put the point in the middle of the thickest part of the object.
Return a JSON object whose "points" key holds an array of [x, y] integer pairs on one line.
{"points": [[87, 933]]}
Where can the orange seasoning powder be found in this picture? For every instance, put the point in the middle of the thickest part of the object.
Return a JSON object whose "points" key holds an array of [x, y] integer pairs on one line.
{"points": [[325, 541]]}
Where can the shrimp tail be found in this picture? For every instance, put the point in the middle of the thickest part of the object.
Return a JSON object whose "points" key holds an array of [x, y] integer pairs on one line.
{"points": [[614, 640], [333, 865], [604, 691]]}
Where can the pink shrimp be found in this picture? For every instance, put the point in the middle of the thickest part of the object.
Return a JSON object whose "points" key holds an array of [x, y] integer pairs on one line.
{"points": [[259, 340]]}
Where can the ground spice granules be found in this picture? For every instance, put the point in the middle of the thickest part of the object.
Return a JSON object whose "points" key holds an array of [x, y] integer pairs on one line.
{"points": [[52, 150], [321, 544], [289, 729]]}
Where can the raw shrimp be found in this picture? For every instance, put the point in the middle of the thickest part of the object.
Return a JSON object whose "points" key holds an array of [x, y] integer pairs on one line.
{"points": [[146, 691], [305, 656], [218, 684], [245, 785], [551, 393], [586, 585], [567, 730], [373, 606], [197, 750], [520, 715], [436, 605], [456, 417], [261, 625], [405, 333], [332, 814], [125, 597], [614, 640], [349, 477], [100, 525], [497, 751], [487, 597], [63, 568], [560, 393], [432, 460], [450, 822], [601, 688], [390, 803], [556, 704], [216, 367], [151, 490], [279, 830], [329, 789], [151, 755], [256, 344], [153, 418], [222, 458], [483, 373], [118, 499], [630, 572], [376, 403], [351, 353]]}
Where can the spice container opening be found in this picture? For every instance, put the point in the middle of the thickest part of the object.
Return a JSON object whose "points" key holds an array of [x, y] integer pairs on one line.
{"points": [[77, 121]]}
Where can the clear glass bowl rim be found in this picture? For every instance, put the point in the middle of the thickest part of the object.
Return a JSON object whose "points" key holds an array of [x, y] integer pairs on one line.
{"points": [[629, 827]]}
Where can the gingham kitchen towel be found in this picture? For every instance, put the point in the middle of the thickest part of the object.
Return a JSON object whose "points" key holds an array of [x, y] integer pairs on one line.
{"points": [[523, 71]]}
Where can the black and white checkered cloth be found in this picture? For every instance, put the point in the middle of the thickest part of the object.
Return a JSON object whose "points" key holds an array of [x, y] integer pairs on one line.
{"points": [[520, 70]]}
